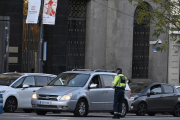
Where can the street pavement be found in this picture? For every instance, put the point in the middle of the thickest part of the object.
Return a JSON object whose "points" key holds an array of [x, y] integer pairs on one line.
{"points": [[69, 116]]}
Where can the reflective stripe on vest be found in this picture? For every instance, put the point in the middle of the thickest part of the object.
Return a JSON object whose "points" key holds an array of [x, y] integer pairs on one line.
{"points": [[122, 80]]}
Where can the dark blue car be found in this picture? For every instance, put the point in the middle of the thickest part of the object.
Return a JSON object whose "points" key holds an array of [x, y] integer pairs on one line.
{"points": [[157, 98]]}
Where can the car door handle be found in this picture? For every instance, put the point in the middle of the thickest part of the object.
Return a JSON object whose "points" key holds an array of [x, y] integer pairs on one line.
{"points": [[34, 90], [174, 95], [162, 96]]}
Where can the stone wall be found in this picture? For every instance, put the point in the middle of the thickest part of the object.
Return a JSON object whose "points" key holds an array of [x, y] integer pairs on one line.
{"points": [[109, 40]]}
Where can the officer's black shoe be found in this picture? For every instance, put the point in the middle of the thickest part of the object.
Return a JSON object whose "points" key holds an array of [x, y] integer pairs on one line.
{"points": [[116, 116]]}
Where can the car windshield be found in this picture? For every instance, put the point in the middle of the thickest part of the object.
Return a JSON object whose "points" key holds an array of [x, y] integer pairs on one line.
{"points": [[6, 80], [138, 87], [70, 80]]}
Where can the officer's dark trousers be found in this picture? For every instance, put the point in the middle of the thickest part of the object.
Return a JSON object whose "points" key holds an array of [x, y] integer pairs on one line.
{"points": [[118, 100]]}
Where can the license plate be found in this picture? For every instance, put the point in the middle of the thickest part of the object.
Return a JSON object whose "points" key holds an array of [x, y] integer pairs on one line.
{"points": [[45, 103]]}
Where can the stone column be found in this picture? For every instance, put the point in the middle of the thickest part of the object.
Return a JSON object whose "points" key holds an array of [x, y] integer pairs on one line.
{"points": [[173, 62]]}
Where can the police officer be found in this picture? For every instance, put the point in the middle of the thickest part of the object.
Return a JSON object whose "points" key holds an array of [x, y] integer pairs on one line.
{"points": [[119, 85]]}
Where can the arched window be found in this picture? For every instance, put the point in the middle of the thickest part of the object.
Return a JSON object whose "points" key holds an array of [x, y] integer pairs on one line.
{"points": [[140, 61]]}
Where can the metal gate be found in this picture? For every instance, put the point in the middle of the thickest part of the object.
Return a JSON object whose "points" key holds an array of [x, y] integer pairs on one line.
{"points": [[140, 50], [76, 34], [34, 41]]}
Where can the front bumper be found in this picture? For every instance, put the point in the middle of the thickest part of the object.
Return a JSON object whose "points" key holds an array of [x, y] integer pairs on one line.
{"points": [[54, 105]]}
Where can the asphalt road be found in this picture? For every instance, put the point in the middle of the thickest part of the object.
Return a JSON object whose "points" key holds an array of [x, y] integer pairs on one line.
{"points": [[91, 116]]}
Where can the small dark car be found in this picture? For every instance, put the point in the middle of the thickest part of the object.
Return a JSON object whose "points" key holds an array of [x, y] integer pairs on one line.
{"points": [[157, 98]]}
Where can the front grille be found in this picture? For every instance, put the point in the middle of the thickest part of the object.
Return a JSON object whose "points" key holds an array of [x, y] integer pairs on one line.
{"points": [[48, 97], [47, 106]]}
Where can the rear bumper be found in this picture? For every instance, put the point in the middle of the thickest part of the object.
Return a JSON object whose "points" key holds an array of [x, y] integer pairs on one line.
{"points": [[54, 105]]}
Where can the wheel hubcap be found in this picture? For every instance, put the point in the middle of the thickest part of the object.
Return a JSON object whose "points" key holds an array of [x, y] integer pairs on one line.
{"points": [[82, 109], [177, 110], [11, 105], [142, 109], [123, 109]]}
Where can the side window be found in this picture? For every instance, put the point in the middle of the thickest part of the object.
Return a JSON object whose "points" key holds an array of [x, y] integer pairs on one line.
{"points": [[168, 89], [96, 80], [18, 84], [108, 79], [50, 79], [178, 89], [41, 81], [157, 89], [29, 81]]}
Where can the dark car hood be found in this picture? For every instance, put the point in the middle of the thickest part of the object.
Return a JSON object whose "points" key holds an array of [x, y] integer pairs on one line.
{"points": [[56, 90]]}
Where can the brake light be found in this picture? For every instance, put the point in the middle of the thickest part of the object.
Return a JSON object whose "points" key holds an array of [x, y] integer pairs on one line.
{"points": [[130, 93]]}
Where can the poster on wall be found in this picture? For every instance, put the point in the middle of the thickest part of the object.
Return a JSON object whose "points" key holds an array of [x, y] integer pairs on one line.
{"points": [[33, 11], [49, 11]]}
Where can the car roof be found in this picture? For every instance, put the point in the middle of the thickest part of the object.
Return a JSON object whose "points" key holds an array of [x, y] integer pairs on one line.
{"points": [[29, 74], [90, 72], [161, 84]]}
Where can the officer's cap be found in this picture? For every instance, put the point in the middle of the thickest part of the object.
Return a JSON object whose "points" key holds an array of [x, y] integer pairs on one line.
{"points": [[119, 69]]}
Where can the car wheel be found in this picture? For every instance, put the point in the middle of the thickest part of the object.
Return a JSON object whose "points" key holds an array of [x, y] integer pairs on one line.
{"points": [[27, 110], [124, 109], [81, 108], [10, 104], [141, 110], [151, 113], [38, 112], [176, 112]]}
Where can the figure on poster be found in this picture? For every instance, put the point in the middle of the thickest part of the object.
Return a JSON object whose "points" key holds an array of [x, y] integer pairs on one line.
{"points": [[50, 10]]}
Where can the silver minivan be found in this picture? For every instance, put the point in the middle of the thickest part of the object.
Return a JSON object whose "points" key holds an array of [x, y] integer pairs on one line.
{"points": [[79, 91]]}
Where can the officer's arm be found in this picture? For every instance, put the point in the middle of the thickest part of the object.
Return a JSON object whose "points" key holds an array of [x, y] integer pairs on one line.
{"points": [[116, 79]]}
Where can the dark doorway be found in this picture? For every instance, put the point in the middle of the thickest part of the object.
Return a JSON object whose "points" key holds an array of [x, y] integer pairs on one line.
{"points": [[76, 34], [140, 63]]}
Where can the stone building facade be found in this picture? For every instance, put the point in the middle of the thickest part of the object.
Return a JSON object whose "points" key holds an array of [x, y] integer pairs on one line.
{"points": [[91, 34]]}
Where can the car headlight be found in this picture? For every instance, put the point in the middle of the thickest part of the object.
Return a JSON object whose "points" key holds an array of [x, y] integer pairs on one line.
{"points": [[66, 97], [34, 96], [2, 91]]}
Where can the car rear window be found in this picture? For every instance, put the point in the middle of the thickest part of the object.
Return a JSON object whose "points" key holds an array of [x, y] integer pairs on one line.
{"points": [[168, 89]]}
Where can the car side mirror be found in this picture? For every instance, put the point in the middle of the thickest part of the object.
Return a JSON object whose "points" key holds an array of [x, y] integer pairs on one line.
{"points": [[93, 85], [151, 93], [25, 86]]}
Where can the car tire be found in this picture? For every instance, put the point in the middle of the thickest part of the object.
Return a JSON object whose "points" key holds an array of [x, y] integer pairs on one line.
{"points": [[38, 112], [151, 113], [81, 108], [176, 112], [141, 109], [27, 110], [124, 109], [10, 105]]}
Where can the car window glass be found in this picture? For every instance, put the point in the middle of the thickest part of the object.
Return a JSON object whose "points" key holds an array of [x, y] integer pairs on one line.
{"points": [[29, 81], [157, 89], [96, 80], [50, 79], [168, 89], [178, 89], [108, 79], [41, 81], [18, 84], [7, 80]]}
